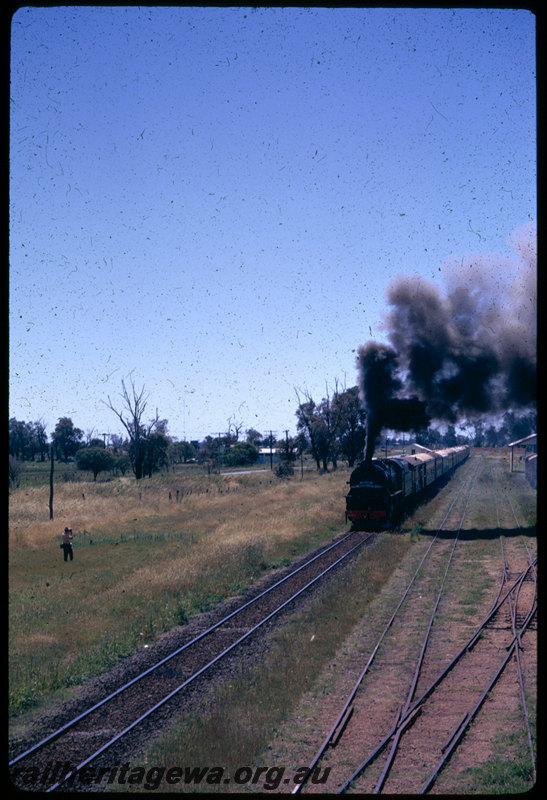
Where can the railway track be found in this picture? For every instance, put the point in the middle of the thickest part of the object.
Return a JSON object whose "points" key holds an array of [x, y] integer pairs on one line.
{"points": [[107, 725], [403, 748]]}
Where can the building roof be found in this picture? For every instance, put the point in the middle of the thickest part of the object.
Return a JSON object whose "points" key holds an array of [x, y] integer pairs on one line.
{"points": [[526, 440]]}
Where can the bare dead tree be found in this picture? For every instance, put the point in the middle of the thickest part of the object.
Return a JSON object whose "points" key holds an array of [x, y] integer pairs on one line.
{"points": [[234, 430], [131, 417]]}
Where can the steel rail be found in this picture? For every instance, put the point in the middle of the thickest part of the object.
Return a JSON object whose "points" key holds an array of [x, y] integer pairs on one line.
{"points": [[514, 646], [320, 752], [395, 744], [518, 524], [525, 710], [473, 640], [513, 602], [518, 662], [420, 700], [203, 669], [55, 734]]}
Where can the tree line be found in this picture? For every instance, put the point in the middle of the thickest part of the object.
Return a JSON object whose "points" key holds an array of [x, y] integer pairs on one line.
{"points": [[330, 430]]}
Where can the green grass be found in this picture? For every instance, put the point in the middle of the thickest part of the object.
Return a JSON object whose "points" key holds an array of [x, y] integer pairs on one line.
{"points": [[236, 726], [143, 565], [508, 772]]}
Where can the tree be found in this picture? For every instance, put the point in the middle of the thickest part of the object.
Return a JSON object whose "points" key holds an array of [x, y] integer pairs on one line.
{"points": [[306, 422], [253, 437], [95, 459], [301, 443], [156, 446], [491, 437], [515, 428], [122, 462], [288, 453], [181, 452], [234, 430], [40, 435], [18, 438], [66, 438], [335, 425], [26, 439], [478, 438], [131, 417], [118, 443], [241, 454], [351, 424], [208, 451], [449, 437], [432, 438], [329, 425]]}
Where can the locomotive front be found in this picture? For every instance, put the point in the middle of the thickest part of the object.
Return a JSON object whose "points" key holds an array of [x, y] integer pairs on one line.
{"points": [[368, 503]]}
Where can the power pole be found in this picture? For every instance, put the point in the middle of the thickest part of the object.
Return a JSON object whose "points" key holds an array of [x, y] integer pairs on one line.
{"points": [[51, 483]]}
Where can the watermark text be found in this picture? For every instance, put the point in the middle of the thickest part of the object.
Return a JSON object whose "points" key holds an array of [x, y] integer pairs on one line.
{"points": [[154, 777]]}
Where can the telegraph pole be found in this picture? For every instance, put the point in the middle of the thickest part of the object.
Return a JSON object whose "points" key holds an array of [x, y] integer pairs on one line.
{"points": [[52, 458]]}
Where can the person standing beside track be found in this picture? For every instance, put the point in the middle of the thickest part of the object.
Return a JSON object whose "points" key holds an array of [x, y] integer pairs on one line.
{"points": [[67, 544]]}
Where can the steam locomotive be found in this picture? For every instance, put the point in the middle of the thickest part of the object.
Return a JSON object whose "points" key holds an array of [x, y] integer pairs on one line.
{"points": [[383, 488]]}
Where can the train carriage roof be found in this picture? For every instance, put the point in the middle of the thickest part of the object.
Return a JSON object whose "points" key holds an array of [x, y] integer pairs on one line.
{"points": [[448, 450], [416, 459], [411, 461]]}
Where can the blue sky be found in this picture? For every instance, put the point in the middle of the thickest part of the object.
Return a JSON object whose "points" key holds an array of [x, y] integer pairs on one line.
{"points": [[212, 201]]}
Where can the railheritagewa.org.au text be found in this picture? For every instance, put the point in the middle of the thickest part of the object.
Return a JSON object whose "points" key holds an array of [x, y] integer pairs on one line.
{"points": [[156, 777]]}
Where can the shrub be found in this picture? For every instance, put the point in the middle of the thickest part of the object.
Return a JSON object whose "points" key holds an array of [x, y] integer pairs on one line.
{"points": [[94, 459], [240, 455], [14, 471], [284, 470]]}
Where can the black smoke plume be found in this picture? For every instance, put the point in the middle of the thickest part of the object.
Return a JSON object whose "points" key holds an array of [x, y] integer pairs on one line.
{"points": [[380, 385], [464, 353]]}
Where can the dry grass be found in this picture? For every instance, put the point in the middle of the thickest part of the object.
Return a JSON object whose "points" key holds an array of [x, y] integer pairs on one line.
{"points": [[143, 564], [235, 728]]}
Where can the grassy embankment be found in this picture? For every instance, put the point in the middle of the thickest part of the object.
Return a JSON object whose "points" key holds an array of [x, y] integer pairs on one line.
{"points": [[473, 582], [235, 729], [311, 650], [132, 595], [143, 563]]}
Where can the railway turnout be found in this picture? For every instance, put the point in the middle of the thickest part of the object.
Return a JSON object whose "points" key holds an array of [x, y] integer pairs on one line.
{"points": [[444, 693]]}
